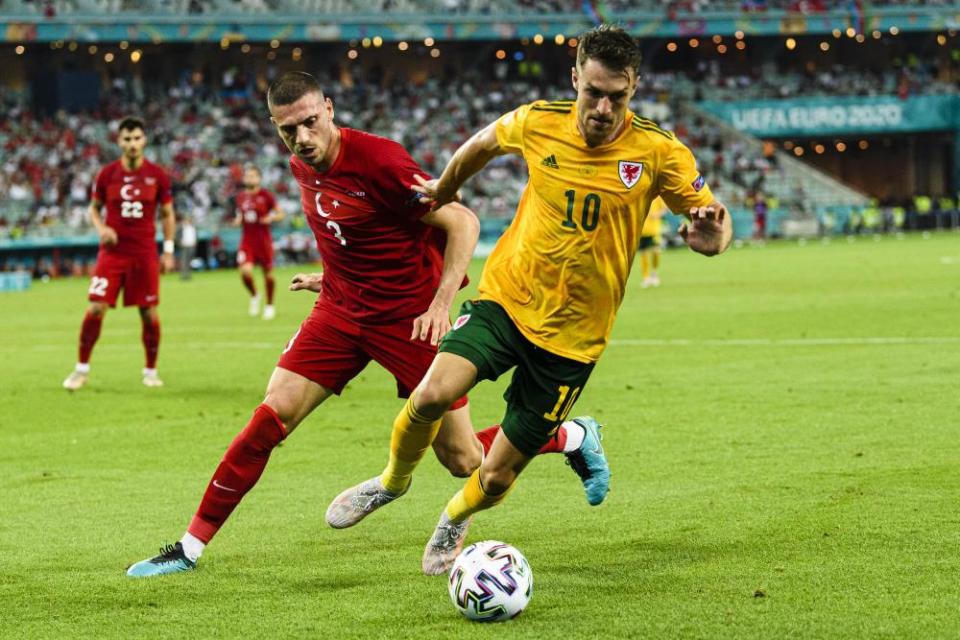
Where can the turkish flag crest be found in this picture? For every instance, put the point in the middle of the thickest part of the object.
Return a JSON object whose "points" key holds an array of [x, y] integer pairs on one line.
{"points": [[630, 173]]}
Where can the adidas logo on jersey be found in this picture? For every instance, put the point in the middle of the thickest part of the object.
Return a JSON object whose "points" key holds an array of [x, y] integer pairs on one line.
{"points": [[550, 161]]}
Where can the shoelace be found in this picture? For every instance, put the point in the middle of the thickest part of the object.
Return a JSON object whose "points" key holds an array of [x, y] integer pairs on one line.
{"points": [[167, 553], [365, 502], [579, 465], [449, 536]]}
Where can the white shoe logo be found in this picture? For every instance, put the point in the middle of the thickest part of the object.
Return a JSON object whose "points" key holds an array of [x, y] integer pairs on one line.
{"points": [[220, 486]]}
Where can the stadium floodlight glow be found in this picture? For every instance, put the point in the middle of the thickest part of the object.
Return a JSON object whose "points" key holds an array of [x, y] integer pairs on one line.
{"points": [[365, 43], [573, 42], [108, 57], [876, 34], [941, 39], [538, 39], [72, 46], [135, 56], [864, 145], [518, 56], [798, 151], [559, 39], [274, 44], [738, 35], [788, 144], [271, 55], [860, 38], [894, 30], [841, 146], [296, 53], [671, 46], [352, 54], [428, 42], [501, 54], [851, 32], [20, 49], [721, 49], [434, 53], [92, 49], [124, 45], [245, 48], [717, 39], [224, 43], [741, 45], [791, 44], [836, 33], [694, 43], [403, 46], [819, 148], [377, 41], [824, 46]]}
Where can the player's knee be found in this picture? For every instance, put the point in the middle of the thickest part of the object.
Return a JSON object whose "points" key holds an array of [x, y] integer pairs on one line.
{"points": [[98, 310], [433, 399], [496, 481], [460, 463], [286, 407]]}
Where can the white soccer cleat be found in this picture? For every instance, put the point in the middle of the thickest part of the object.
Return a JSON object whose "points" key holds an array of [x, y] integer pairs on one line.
{"points": [[654, 280], [445, 545], [357, 502], [269, 313], [254, 309], [151, 379], [647, 283], [75, 380]]}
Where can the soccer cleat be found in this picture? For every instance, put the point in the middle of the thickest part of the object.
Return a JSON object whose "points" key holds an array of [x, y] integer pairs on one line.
{"points": [[254, 309], [75, 380], [357, 502], [444, 546], [590, 462], [647, 283], [151, 379], [269, 313], [170, 560], [654, 280]]}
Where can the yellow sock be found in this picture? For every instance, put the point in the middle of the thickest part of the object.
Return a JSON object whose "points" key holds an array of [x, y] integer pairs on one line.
{"points": [[644, 264], [656, 260], [472, 498], [412, 435]]}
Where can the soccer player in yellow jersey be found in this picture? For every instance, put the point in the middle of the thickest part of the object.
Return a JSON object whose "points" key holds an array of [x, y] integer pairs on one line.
{"points": [[551, 288], [650, 241]]}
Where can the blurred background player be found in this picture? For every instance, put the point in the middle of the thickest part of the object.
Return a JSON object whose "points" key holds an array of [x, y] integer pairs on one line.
{"points": [[257, 209], [650, 244], [392, 266], [188, 246], [130, 188]]}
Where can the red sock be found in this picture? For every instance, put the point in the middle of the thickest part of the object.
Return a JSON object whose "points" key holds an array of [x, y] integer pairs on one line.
{"points": [[151, 341], [269, 282], [241, 467], [248, 283], [554, 445], [89, 332]]}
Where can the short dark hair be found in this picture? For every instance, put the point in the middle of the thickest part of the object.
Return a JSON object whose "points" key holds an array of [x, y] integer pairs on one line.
{"points": [[131, 123], [291, 86], [610, 45]]}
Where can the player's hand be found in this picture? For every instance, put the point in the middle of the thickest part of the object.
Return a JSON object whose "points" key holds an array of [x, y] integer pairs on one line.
{"points": [[166, 262], [428, 189], [432, 325], [108, 236], [309, 281], [704, 233]]}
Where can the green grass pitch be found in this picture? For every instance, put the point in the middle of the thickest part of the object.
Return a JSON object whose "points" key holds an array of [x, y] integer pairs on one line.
{"points": [[782, 424]]}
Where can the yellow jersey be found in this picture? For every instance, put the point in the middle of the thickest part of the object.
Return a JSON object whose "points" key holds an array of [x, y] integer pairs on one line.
{"points": [[561, 267], [653, 224]]}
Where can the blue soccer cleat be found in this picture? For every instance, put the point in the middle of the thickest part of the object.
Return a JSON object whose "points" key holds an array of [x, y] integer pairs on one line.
{"points": [[590, 462], [170, 560]]}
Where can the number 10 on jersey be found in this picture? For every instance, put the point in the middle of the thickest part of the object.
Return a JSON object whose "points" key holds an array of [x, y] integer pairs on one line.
{"points": [[589, 211]]}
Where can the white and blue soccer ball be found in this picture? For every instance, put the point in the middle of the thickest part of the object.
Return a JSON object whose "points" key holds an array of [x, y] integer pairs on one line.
{"points": [[490, 581]]}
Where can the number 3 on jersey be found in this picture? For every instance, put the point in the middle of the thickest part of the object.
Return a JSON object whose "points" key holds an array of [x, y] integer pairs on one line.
{"points": [[333, 226]]}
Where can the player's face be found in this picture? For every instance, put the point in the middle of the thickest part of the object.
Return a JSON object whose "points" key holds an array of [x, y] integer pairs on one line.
{"points": [[306, 127], [132, 142], [602, 99], [251, 179]]}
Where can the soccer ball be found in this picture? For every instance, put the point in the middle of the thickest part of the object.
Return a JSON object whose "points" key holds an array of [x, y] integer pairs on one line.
{"points": [[490, 581]]}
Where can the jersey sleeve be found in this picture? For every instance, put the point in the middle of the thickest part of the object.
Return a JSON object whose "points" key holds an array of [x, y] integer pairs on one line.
{"points": [[164, 188], [99, 191], [681, 185], [393, 177], [510, 128], [271, 200]]}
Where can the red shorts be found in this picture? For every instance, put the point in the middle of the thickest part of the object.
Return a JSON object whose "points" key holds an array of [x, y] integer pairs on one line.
{"points": [[331, 351], [256, 253], [138, 276]]}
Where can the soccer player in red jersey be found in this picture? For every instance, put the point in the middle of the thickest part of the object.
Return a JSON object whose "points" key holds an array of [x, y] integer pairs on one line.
{"points": [[391, 270], [132, 189], [257, 209]]}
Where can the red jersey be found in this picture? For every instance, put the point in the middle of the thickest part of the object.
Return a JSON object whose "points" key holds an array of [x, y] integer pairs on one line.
{"points": [[253, 209], [380, 263], [131, 199]]}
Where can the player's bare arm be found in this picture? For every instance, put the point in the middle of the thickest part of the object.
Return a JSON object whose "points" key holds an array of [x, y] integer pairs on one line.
{"points": [[307, 282], [276, 215], [709, 229], [108, 235], [169, 223], [462, 229], [472, 156]]}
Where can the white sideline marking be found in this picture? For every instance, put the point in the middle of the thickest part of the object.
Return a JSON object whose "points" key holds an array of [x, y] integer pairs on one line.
{"points": [[781, 342]]}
